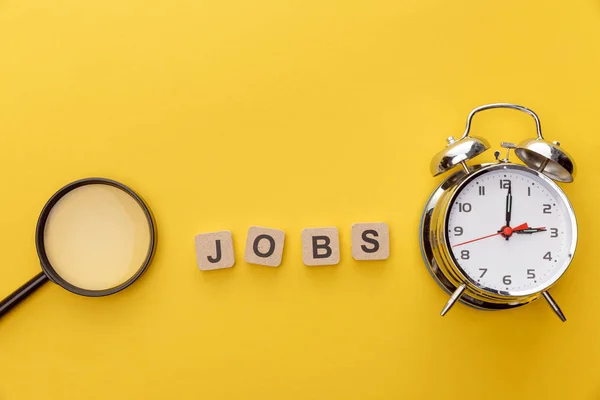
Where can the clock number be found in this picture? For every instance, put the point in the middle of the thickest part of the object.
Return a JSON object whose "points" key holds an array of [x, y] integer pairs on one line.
{"points": [[458, 231], [547, 209], [482, 190], [504, 183], [548, 256], [464, 207], [484, 271], [528, 191], [553, 232], [506, 280], [531, 274], [465, 255]]}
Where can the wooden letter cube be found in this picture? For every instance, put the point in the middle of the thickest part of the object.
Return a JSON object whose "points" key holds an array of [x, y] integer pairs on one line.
{"points": [[320, 246], [214, 250], [264, 246], [370, 241]]}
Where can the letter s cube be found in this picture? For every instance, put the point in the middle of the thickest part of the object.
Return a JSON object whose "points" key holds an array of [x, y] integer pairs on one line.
{"points": [[370, 241]]}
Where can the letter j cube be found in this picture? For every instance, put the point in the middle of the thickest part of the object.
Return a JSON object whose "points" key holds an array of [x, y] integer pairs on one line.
{"points": [[214, 250]]}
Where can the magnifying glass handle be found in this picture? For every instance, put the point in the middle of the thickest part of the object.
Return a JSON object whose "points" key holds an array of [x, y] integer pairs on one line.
{"points": [[22, 293]]}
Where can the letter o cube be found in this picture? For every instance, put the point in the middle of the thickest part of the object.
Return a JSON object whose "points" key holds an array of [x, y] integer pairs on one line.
{"points": [[264, 246]]}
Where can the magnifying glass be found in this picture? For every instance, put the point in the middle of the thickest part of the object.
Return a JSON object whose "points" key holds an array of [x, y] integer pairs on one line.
{"points": [[94, 237]]}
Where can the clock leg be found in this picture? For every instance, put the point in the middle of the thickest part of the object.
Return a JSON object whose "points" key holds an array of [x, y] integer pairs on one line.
{"points": [[554, 306], [454, 298]]}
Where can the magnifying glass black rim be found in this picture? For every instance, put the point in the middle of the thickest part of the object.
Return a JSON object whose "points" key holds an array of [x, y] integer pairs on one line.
{"points": [[41, 225]]}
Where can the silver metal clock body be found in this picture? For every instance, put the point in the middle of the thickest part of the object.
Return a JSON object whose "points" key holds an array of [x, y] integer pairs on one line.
{"points": [[447, 270]]}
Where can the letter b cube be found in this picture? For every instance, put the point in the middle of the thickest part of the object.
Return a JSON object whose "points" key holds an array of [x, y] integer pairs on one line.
{"points": [[320, 246]]}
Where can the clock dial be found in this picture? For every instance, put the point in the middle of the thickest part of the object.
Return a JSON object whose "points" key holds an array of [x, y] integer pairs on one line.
{"points": [[511, 231]]}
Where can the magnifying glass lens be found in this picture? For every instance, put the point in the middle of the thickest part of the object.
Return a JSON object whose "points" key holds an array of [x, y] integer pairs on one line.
{"points": [[97, 237]]}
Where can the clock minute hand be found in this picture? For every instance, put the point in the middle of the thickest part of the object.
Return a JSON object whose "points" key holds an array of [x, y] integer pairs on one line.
{"points": [[508, 205]]}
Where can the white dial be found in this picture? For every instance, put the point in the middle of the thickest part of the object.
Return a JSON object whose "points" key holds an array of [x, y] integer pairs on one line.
{"points": [[511, 230]]}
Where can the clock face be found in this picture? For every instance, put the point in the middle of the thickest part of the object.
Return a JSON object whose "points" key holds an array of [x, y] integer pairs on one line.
{"points": [[511, 230]]}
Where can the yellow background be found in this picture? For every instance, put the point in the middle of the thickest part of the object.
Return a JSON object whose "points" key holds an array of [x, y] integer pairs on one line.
{"points": [[287, 114]]}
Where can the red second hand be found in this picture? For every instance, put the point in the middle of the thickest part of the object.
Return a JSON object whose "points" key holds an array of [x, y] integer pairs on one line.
{"points": [[509, 232]]}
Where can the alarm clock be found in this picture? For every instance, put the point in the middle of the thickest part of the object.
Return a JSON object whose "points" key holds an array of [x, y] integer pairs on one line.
{"points": [[496, 236]]}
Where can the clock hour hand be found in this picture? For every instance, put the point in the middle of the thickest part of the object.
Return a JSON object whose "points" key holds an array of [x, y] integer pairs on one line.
{"points": [[531, 230]]}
